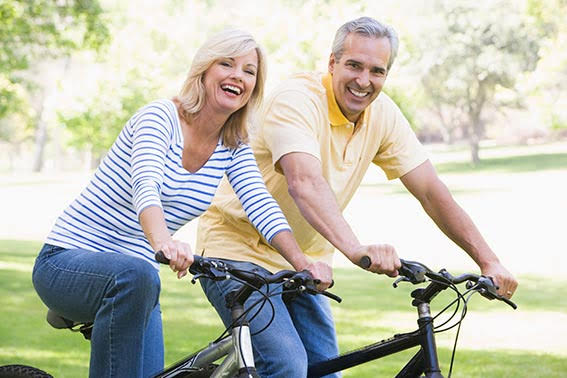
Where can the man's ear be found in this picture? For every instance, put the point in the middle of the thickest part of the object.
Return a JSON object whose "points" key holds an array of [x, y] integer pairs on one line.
{"points": [[332, 62]]}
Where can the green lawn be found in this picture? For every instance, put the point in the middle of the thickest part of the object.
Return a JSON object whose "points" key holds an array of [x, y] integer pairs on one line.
{"points": [[189, 322], [515, 164]]}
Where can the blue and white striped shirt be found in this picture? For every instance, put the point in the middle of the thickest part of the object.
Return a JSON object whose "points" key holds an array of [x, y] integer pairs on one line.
{"points": [[143, 168]]}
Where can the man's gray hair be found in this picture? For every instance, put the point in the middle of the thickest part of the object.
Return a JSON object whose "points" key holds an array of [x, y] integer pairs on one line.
{"points": [[368, 27]]}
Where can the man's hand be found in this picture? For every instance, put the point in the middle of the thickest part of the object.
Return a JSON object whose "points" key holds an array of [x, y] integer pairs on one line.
{"points": [[383, 258], [506, 283], [322, 272], [179, 254]]}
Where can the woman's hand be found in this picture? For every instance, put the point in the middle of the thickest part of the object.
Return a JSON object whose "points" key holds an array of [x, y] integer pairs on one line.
{"points": [[179, 254]]}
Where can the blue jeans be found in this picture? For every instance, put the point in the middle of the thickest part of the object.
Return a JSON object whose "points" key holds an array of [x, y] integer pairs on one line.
{"points": [[301, 332], [119, 293]]}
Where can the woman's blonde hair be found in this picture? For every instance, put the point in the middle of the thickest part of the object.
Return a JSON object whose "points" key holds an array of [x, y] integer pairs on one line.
{"points": [[230, 43]]}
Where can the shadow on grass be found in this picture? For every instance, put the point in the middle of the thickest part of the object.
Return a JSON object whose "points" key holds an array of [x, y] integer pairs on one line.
{"points": [[511, 164]]}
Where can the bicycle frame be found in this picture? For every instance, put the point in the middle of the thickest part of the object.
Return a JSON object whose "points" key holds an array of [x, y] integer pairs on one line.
{"points": [[424, 361], [236, 348]]}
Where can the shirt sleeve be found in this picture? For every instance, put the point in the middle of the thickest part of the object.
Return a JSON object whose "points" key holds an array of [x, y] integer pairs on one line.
{"points": [[290, 125], [259, 205], [400, 151], [151, 136]]}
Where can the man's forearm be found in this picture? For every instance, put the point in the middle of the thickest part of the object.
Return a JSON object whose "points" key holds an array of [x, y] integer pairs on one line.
{"points": [[459, 227], [319, 207]]}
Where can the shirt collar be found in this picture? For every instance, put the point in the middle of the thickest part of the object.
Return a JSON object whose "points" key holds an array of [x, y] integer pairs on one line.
{"points": [[336, 116]]}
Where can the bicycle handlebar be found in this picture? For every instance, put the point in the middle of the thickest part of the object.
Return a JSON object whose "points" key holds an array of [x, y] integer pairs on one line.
{"points": [[219, 270], [415, 272]]}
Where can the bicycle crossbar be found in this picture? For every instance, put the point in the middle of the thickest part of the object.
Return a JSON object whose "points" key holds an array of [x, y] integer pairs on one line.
{"points": [[380, 349]]}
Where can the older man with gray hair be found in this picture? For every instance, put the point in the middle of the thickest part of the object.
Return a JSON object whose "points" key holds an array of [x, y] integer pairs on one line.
{"points": [[317, 136]]}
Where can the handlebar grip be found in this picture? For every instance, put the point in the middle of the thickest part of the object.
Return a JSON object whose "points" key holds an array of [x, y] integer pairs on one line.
{"points": [[160, 258], [365, 262]]}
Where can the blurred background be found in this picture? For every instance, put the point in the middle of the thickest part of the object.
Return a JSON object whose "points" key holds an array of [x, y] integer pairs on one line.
{"points": [[73, 71]]}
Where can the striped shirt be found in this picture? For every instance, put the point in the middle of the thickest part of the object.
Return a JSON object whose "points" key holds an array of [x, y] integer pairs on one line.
{"points": [[143, 168]]}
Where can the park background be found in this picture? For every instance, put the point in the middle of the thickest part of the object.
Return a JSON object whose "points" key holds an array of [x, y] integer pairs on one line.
{"points": [[483, 84]]}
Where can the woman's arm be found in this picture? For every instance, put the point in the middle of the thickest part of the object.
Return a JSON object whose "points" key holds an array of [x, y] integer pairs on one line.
{"points": [[265, 214], [151, 134], [155, 229]]}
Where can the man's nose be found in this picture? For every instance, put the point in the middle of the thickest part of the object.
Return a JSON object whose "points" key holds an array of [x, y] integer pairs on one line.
{"points": [[363, 79]]}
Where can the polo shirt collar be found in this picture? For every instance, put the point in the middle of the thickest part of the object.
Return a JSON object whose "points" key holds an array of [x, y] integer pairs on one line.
{"points": [[336, 116]]}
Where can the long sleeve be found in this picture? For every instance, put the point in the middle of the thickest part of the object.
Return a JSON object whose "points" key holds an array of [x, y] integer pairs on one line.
{"points": [[260, 207]]}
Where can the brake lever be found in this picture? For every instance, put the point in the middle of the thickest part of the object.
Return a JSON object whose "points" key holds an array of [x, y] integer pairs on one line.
{"points": [[310, 288], [400, 279], [488, 290], [197, 277]]}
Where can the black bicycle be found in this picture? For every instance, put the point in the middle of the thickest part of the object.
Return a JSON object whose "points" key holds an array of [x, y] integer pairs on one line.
{"points": [[425, 361]]}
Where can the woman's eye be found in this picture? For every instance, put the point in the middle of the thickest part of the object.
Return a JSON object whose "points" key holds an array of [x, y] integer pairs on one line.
{"points": [[251, 72], [224, 63]]}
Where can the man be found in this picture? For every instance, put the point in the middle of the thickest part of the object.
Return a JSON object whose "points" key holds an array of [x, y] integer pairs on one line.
{"points": [[317, 136]]}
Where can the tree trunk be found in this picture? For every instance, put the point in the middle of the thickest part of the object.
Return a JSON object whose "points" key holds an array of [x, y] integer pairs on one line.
{"points": [[474, 145], [40, 139]]}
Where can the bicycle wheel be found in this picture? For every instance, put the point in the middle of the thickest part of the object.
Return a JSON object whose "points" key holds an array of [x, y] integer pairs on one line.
{"points": [[22, 371]]}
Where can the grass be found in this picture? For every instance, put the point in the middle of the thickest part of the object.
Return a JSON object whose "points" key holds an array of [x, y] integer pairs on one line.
{"points": [[189, 322], [372, 309], [514, 164]]}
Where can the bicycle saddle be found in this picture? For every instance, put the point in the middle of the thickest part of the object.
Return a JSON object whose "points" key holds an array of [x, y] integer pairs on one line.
{"points": [[59, 322]]}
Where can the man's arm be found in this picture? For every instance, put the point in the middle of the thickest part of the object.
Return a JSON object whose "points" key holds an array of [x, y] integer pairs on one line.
{"points": [[424, 183], [318, 205]]}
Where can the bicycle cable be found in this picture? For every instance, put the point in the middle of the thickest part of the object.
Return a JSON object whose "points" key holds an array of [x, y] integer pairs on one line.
{"points": [[465, 306], [244, 283]]}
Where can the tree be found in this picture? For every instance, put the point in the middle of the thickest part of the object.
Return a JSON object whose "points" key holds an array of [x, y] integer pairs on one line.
{"points": [[481, 49], [550, 78], [99, 124], [38, 30]]}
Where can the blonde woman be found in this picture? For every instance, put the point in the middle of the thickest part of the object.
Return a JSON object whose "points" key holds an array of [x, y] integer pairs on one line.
{"points": [[161, 172]]}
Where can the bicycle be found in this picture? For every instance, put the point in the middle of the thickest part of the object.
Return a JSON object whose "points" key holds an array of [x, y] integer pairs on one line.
{"points": [[425, 361], [236, 346], [233, 346]]}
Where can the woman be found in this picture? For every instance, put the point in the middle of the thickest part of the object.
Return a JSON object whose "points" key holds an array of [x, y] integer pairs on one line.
{"points": [[161, 172]]}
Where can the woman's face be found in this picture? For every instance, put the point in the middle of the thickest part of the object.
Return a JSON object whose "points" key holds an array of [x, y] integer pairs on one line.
{"points": [[229, 82]]}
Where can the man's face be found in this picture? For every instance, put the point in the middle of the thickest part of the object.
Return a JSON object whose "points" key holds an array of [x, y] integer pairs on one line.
{"points": [[360, 73]]}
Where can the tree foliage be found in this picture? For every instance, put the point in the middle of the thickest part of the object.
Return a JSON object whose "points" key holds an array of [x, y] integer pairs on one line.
{"points": [[33, 30], [481, 48], [97, 126]]}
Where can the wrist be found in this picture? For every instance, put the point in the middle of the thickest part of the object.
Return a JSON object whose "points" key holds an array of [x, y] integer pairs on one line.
{"points": [[157, 241], [300, 262], [354, 253]]}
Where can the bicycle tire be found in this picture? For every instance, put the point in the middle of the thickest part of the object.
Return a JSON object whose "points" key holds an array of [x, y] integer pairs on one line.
{"points": [[22, 371]]}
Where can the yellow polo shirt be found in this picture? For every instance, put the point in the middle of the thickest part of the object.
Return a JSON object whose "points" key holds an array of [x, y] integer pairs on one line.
{"points": [[301, 115]]}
